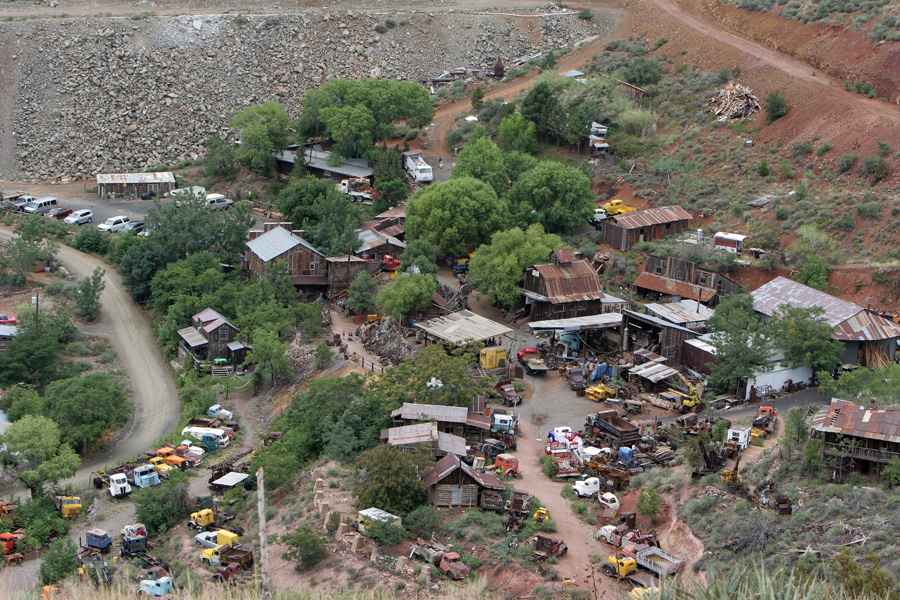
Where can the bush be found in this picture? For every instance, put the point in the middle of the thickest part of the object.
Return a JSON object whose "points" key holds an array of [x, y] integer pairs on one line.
{"points": [[845, 162], [162, 506], [801, 149], [60, 561], [823, 148], [324, 355], [305, 546], [764, 168], [91, 239], [385, 533], [781, 213], [875, 167], [548, 466], [423, 521], [776, 106], [643, 71], [883, 148], [586, 15]]}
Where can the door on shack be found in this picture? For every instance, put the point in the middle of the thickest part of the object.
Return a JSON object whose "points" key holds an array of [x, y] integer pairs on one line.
{"points": [[456, 495]]}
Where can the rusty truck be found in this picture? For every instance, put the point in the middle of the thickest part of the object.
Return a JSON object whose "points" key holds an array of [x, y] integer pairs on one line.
{"points": [[440, 556]]}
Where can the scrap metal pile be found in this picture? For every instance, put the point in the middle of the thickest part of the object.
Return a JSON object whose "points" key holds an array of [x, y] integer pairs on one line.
{"points": [[387, 342], [734, 101]]}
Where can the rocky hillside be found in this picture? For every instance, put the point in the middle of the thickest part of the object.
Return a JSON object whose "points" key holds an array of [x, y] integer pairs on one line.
{"points": [[85, 95]]}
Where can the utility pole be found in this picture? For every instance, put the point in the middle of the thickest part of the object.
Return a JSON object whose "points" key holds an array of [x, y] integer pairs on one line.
{"points": [[37, 302], [263, 536]]}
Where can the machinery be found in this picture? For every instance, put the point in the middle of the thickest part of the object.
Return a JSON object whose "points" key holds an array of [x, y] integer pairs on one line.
{"points": [[531, 360], [617, 207], [690, 401], [540, 515], [389, 263], [358, 188], [732, 478], [600, 392], [209, 520]]}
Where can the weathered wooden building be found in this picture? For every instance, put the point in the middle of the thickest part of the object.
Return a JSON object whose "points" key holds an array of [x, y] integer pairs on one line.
{"points": [[624, 231], [306, 266], [654, 334], [566, 288], [451, 482], [424, 435], [672, 279], [382, 236], [454, 420], [212, 341], [857, 438], [344, 269], [134, 185]]}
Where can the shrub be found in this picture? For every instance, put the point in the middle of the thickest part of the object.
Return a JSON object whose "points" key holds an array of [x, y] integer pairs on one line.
{"points": [[801, 149], [586, 15], [305, 546], [823, 148], [776, 106], [91, 239], [643, 71], [845, 162], [60, 561], [385, 533], [883, 148], [781, 213], [324, 355], [875, 167], [423, 521], [763, 168], [163, 506], [548, 466], [869, 210]]}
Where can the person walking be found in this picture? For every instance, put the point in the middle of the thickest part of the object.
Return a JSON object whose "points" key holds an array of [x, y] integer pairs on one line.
{"points": [[441, 163]]}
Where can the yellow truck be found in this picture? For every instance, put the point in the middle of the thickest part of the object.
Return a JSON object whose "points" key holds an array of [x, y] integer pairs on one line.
{"points": [[617, 207], [68, 506]]}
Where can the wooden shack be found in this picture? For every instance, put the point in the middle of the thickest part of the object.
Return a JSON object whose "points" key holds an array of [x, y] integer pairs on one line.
{"points": [[451, 482], [624, 231], [306, 266]]}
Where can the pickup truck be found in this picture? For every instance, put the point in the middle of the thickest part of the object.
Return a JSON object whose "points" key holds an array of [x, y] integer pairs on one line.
{"points": [[531, 360], [217, 202], [546, 546], [213, 539], [440, 556], [598, 217], [508, 392], [226, 555]]}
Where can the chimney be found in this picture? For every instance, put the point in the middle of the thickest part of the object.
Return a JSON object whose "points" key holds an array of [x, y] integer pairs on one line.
{"points": [[300, 233], [286, 225], [253, 234], [269, 227]]}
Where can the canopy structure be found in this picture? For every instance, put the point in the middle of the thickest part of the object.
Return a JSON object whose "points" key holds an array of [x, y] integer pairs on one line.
{"points": [[463, 326], [602, 321]]}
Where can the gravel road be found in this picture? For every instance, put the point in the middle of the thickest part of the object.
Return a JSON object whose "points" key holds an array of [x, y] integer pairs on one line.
{"points": [[156, 407]]}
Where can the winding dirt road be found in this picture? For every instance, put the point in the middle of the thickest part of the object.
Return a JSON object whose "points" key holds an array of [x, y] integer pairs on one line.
{"points": [[156, 406]]}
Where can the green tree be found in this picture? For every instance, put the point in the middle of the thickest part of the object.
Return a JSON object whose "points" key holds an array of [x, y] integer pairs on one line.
{"points": [[423, 522], [28, 249], [812, 456], [649, 503], [163, 506], [33, 356], [219, 161], [356, 430], [87, 408], [478, 98], [796, 431], [813, 242], [880, 386], [390, 193], [517, 163], [891, 472], [517, 135], [269, 354], [386, 165], [406, 294], [456, 215], [483, 160], [859, 581], [332, 228], [538, 105], [264, 131], [59, 561], [305, 547], [392, 480], [498, 269], [20, 401], [554, 195], [776, 106], [814, 273], [324, 355], [643, 71], [91, 239], [385, 533], [419, 255], [742, 347], [805, 337], [362, 291], [279, 464], [295, 201], [32, 450], [87, 295]]}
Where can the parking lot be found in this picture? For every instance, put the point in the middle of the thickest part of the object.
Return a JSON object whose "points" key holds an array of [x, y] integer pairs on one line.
{"points": [[74, 196]]}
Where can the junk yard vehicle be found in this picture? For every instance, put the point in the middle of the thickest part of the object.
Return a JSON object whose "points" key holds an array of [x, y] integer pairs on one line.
{"points": [[116, 483], [575, 377], [518, 508], [507, 464], [68, 506], [416, 167], [145, 476], [222, 537], [491, 500], [209, 520], [156, 587], [440, 556], [531, 360], [617, 207], [766, 417], [598, 217], [508, 392], [622, 534], [226, 555], [600, 392], [546, 546], [611, 430], [651, 558], [358, 188], [9, 541]]}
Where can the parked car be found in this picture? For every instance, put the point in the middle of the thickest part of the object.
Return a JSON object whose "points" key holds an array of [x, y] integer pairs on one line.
{"points": [[60, 212], [134, 227], [7, 320], [79, 217], [21, 202], [114, 224], [40, 206]]}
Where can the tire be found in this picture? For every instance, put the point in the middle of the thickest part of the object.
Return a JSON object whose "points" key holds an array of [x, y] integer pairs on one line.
{"points": [[564, 551], [608, 570], [510, 473], [98, 483]]}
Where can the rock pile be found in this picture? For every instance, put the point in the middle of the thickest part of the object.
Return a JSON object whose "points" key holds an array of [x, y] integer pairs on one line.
{"points": [[110, 94]]}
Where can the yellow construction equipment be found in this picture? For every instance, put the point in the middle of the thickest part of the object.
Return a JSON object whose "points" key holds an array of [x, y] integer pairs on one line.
{"points": [[617, 207], [493, 357], [600, 392], [690, 401], [540, 515], [731, 477]]}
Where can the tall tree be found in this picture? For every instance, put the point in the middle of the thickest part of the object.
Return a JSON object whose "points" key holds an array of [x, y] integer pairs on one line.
{"points": [[393, 479], [538, 105], [742, 348], [419, 255], [87, 299], [32, 450], [264, 131], [87, 408], [483, 160], [269, 353], [517, 135], [457, 214], [295, 201], [814, 273], [28, 249], [555, 195], [332, 228], [498, 269], [362, 291], [796, 431], [805, 337], [866, 385], [406, 294]]}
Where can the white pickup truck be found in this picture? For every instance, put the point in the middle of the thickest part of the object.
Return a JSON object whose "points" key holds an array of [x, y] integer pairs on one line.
{"points": [[217, 202]]}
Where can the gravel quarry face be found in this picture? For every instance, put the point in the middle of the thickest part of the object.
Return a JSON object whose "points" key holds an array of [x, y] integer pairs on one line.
{"points": [[85, 95]]}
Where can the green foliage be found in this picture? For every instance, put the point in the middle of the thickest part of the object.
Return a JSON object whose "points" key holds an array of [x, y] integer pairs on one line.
{"points": [[586, 15], [385, 533], [868, 385], [552, 194], [498, 269], [890, 474], [799, 149], [639, 122], [517, 135], [548, 466], [306, 547], [649, 503], [264, 132], [332, 226], [538, 106], [813, 242], [631, 146], [805, 337], [392, 481], [162, 506], [87, 408], [875, 167], [477, 98], [362, 291], [822, 148], [482, 159], [742, 347], [776, 106], [87, 295], [884, 148], [814, 273], [845, 162], [91, 239], [28, 250], [324, 355], [32, 356], [279, 465], [20, 401], [423, 522], [59, 561], [33, 452], [858, 581], [296, 200], [219, 161], [796, 431], [763, 170], [457, 214], [643, 71], [419, 255], [269, 353], [407, 293]]}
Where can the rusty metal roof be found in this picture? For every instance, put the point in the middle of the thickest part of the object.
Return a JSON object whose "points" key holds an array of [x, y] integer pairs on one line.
{"points": [[858, 420], [650, 356], [451, 444], [601, 321], [434, 412], [450, 463], [653, 371], [133, 178], [652, 216], [664, 285], [851, 321], [681, 312], [576, 282]]}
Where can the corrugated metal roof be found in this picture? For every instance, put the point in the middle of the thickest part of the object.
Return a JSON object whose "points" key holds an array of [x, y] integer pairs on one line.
{"points": [[412, 434], [451, 444], [865, 326], [420, 412], [651, 356], [463, 326], [396, 211], [652, 216], [370, 239], [193, 337], [450, 463], [133, 178], [673, 287], [858, 420], [276, 242], [206, 315], [653, 371], [233, 346], [480, 421], [231, 480], [318, 159], [681, 312], [603, 321], [573, 283], [735, 237], [702, 344], [343, 259], [660, 322], [781, 290]]}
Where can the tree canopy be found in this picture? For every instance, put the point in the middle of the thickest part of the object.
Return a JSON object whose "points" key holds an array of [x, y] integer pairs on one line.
{"points": [[805, 337], [483, 160], [362, 291], [516, 134], [32, 450], [406, 294], [419, 256], [555, 195], [880, 386], [498, 269], [456, 215], [264, 130], [742, 346], [392, 479], [86, 408]]}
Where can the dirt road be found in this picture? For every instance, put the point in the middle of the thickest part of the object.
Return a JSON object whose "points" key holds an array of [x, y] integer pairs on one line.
{"points": [[156, 407]]}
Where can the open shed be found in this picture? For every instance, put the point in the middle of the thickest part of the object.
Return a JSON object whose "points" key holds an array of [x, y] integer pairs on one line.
{"points": [[462, 327]]}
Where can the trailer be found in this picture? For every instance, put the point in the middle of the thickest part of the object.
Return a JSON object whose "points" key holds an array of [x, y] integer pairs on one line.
{"points": [[611, 429], [659, 561], [531, 360]]}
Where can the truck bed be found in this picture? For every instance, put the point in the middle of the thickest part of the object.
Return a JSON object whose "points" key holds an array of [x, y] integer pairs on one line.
{"points": [[534, 364], [659, 561]]}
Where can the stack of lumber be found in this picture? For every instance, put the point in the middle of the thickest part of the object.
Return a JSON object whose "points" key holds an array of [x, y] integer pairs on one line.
{"points": [[875, 356], [734, 101]]}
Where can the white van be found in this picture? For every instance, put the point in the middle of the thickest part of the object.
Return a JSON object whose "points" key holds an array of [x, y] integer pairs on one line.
{"points": [[198, 432], [40, 206]]}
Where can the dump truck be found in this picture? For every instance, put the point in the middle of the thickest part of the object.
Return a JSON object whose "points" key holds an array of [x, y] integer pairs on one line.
{"points": [[611, 429], [617, 207], [417, 168], [440, 556], [532, 361], [659, 561], [546, 546], [566, 463], [226, 555], [68, 506], [358, 188]]}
